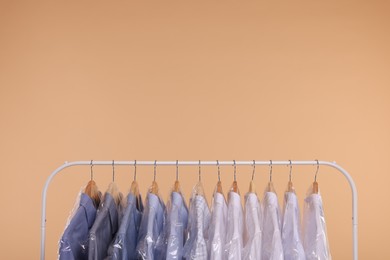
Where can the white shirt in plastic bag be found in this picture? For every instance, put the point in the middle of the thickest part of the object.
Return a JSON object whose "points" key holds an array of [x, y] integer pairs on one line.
{"points": [[217, 227], [291, 229], [314, 229], [196, 245], [235, 227], [253, 228], [272, 239]]}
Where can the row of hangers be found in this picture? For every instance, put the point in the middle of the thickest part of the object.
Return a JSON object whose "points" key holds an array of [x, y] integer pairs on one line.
{"points": [[92, 190]]}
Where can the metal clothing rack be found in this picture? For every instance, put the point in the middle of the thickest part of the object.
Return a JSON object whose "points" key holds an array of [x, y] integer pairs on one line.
{"points": [[206, 163]]}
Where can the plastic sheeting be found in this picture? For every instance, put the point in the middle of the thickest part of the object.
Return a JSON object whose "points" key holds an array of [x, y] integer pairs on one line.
{"points": [[74, 241], [199, 221], [291, 229], [150, 239], [217, 232], [315, 239], [125, 241], [272, 239], [176, 228], [253, 228], [235, 227]]}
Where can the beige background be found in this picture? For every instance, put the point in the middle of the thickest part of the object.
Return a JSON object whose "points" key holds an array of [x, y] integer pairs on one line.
{"points": [[193, 80]]}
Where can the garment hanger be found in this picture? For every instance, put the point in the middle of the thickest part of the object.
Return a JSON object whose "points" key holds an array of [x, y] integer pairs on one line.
{"points": [[199, 186], [154, 188], [252, 186], [176, 186], [113, 188], [270, 186], [290, 187], [219, 184], [234, 185], [92, 190], [315, 183], [134, 189]]}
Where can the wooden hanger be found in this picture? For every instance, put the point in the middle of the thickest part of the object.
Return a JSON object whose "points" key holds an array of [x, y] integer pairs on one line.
{"points": [[315, 184], [113, 188], [315, 187], [199, 186], [252, 186], [134, 188], [290, 187], [154, 188], [219, 183], [114, 192], [234, 185], [270, 186], [176, 186], [92, 190]]}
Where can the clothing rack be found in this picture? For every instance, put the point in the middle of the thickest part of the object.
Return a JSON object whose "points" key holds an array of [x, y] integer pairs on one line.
{"points": [[206, 163]]}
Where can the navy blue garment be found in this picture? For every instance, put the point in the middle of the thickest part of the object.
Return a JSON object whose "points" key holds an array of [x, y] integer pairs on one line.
{"points": [[125, 242], [104, 229], [74, 241]]}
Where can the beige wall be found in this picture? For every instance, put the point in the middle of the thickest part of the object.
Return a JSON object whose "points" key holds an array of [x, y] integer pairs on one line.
{"points": [[193, 80]]}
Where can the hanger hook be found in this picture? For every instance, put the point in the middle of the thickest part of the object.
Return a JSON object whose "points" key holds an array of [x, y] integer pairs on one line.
{"points": [[318, 167], [135, 170], [154, 173], [270, 171], [234, 164], [91, 171], [113, 171], [289, 178], [199, 172], [254, 167], [177, 170], [219, 171]]}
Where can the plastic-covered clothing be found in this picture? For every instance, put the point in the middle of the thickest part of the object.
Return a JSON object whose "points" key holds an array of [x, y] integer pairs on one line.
{"points": [[314, 229], [124, 244], [176, 226], [272, 239], [74, 242], [291, 229], [199, 220], [235, 227], [104, 229], [151, 230], [253, 228], [217, 232]]}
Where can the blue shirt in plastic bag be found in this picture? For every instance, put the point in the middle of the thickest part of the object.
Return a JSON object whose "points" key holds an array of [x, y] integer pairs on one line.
{"points": [[104, 228], [177, 225], [125, 241], [74, 242], [150, 244]]}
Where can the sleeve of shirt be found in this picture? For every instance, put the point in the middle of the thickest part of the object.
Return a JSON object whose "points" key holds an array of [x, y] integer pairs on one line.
{"points": [[65, 252]]}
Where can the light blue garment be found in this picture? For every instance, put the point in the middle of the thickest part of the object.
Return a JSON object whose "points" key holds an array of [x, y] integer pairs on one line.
{"points": [[104, 229], [125, 241], [177, 225], [150, 244], [74, 241], [199, 220]]}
